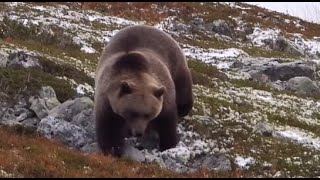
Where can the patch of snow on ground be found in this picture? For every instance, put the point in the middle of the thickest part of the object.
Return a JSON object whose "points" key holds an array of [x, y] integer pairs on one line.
{"points": [[223, 58], [297, 136], [84, 89], [310, 46], [244, 162], [259, 36]]}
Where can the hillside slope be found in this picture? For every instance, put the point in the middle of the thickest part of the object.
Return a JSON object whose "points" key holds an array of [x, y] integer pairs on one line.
{"points": [[256, 80]]}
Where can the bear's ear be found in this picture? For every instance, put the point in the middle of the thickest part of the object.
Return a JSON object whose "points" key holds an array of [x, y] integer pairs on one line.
{"points": [[125, 88], [159, 91]]}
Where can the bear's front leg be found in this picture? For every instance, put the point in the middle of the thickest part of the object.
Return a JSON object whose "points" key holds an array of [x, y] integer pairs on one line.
{"points": [[166, 126], [109, 130]]}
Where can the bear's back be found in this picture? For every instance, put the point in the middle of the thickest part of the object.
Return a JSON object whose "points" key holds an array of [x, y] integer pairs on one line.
{"points": [[146, 37]]}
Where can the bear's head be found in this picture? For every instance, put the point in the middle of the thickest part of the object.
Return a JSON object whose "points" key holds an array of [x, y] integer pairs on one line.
{"points": [[138, 101]]}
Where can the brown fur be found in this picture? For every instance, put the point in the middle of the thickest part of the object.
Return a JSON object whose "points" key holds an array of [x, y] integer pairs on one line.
{"points": [[142, 80]]}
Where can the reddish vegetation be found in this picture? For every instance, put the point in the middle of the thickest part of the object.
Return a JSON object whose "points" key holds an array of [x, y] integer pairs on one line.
{"points": [[33, 156], [154, 12]]}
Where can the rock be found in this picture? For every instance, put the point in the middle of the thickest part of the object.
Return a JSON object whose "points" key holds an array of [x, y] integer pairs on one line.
{"points": [[10, 122], [181, 28], [260, 77], [22, 60], [279, 85], [86, 121], [71, 108], [264, 129], [198, 23], [287, 71], [221, 27], [303, 85], [63, 131], [22, 114], [149, 141], [177, 167], [51, 103], [237, 64], [91, 148], [47, 92], [31, 122], [281, 44], [133, 154], [214, 162], [3, 60], [8, 115], [38, 106]]}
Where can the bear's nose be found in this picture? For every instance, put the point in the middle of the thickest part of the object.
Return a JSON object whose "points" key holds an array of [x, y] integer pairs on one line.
{"points": [[138, 134]]}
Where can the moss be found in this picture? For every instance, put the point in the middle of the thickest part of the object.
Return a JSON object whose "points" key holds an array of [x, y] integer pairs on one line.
{"points": [[67, 70], [261, 52], [292, 120], [250, 83], [15, 79], [209, 70], [58, 44]]}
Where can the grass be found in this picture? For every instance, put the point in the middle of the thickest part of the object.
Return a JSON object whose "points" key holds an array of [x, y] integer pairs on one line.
{"points": [[28, 155], [67, 70], [292, 120], [250, 83], [57, 45], [12, 80]]}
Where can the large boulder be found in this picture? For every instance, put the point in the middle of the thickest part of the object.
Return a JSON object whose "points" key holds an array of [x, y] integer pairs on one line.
{"points": [[3, 60], [71, 108], [303, 85], [221, 27], [281, 44], [86, 121], [63, 131], [287, 71], [22, 60]]}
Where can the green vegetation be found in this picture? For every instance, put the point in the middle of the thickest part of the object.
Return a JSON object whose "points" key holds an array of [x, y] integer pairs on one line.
{"points": [[15, 80]]}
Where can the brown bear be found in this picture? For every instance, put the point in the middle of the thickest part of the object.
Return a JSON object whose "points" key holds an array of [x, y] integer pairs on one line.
{"points": [[142, 81]]}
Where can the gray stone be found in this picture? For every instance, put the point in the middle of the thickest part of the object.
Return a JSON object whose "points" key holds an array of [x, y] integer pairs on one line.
{"points": [[133, 154], [22, 114], [91, 148], [303, 85], [63, 131], [22, 60], [281, 44], [31, 122], [221, 27], [287, 71], [51, 103], [86, 121], [38, 106], [47, 92], [3, 60], [264, 129], [71, 108], [215, 162]]}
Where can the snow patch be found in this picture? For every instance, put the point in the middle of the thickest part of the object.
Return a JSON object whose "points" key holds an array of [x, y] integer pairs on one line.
{"points": [[297, 136], [244, 162], [223, 58]]}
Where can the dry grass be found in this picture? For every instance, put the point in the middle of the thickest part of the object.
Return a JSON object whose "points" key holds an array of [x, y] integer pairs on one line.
{"points": [[29, 155]]}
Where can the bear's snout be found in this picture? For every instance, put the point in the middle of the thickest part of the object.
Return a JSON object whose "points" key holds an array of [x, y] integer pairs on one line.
{"points": [[137, 133]]}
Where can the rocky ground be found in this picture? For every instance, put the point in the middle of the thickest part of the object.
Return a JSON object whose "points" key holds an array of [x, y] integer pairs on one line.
{"points": [[256, 84]]}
